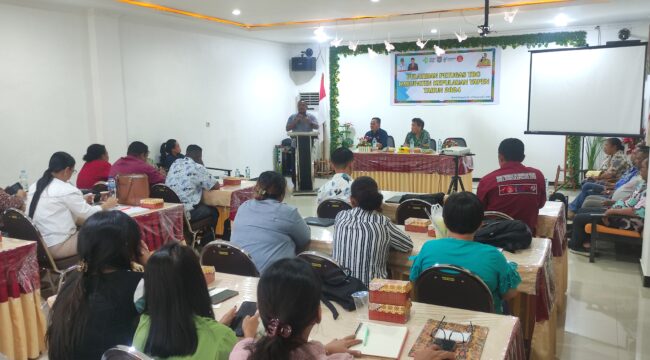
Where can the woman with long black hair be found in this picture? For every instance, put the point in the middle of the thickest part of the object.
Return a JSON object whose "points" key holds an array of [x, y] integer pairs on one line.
{"points": [[178, 321], [94, 310], [54, 204]]}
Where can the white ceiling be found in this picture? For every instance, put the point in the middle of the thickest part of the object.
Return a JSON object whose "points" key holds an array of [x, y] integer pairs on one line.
{"points": [[530, 18]]}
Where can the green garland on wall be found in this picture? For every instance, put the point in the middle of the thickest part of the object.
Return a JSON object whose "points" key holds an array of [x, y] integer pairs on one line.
{"points": [[574, 38], [573, 155]]}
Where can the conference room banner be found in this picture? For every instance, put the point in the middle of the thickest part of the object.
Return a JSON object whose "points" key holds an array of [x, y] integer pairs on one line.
{"points": [[465, 76]]}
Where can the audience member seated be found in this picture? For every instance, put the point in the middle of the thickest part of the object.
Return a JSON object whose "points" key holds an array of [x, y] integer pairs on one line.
{"points": [[625, 186], [419, 136], [188, 177], [513, 189], [613, 167], [377, 133], [96, 167], [16, 201], [288, 301], [363, 236], [170, 151], [339, 187], [94, 310], [268, 229], [463, 215], [55, 205], [633, 206], [136, 163], [178, 321]]}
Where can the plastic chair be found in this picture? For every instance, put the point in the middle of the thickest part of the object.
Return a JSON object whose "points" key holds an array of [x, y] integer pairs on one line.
{"points": [[412, 208], [391, 142], [122, 352], [228, 258], [191, 228], [20, 226], [453, 286], [458, 140], [323, 265], [329, 208]]}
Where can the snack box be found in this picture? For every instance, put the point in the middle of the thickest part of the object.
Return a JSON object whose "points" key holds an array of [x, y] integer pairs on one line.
{"points": [[208, 273], [417, 225], [431, 231], [390, 313], [390, 292], [228, 181], [151, 203]]}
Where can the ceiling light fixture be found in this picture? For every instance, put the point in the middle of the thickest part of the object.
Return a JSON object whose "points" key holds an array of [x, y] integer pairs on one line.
{"points": [[374, 0], [509, 16], [433, 31], [236, 12], [320, 34], [561, 20]]}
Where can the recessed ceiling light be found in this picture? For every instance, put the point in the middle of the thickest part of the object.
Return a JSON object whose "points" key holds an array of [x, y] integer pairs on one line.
{"points": [[433, 31], [236, 12], [374, 0], [561, 20]]}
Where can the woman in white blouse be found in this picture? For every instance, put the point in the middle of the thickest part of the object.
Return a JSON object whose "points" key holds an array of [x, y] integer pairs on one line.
{"points": [[54, 204], [363, 236]]}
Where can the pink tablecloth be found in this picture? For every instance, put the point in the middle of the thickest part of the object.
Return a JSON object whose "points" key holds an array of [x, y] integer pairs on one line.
{"points": [[160, 226], [239, 197], [411, 163]]}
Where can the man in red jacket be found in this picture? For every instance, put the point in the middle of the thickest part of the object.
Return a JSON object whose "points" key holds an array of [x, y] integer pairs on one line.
{"points": [[513, 189]]}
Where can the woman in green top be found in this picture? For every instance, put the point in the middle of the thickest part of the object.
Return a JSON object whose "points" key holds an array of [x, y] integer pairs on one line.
{"points": [[178, 322], [463, 215], [419, 136]]}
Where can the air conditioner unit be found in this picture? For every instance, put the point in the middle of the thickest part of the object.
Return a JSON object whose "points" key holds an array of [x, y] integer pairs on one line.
{"points": [[311, 99]]}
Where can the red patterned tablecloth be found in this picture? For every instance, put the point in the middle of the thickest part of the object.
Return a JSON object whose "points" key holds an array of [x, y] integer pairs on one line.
{"points": [[239, 197], [22, 324], [161, 225], [411, 163]]}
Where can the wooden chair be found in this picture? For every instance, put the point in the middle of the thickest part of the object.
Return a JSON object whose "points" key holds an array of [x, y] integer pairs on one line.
{"points": [[412, 208], [123, 352], [391, 142], [228, 258], [329, 208], [20, 226], [191, 228], [603, 233], [323, 265], [458, 140], [453, 286]]}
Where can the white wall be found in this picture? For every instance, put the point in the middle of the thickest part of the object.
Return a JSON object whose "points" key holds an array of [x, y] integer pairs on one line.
{"points": [[364, 88], [69, 78]]}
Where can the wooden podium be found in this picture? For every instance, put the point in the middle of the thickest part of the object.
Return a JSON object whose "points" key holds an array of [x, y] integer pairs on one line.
{"points": [[304, 166]]}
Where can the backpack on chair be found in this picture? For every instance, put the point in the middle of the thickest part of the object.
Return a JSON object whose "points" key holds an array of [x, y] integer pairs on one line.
{"points": [[510, 235], [338, 286]]}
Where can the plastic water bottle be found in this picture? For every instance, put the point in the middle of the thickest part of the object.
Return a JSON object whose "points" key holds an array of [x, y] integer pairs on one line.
{"points": [[110, 184], [22, 179], [237, 173], [412, 145], [439, 144], [374, 143], [247, 172]]}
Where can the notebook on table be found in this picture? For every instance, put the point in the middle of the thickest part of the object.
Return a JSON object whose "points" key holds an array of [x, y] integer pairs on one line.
{"points": [[316, 221], [380, 340]]}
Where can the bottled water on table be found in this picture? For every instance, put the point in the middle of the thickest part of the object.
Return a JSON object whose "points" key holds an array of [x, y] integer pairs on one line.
{"points": [[411, 145], [237, 173], [247, 172], [374, 143], [22, 179], [110, 184]]}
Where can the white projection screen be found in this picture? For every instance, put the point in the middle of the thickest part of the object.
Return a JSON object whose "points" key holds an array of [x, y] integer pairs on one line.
{"points": [[587, 91]]}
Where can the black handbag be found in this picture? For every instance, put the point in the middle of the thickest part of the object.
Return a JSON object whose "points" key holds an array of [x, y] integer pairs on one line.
{"points": [[338, 286], [510, 235]]}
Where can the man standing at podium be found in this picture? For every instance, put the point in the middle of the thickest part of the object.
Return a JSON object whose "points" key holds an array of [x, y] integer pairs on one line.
{"points": [[300, 122]]}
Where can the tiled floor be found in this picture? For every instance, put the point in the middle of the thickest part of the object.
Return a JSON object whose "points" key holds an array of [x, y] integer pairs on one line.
{"points": [[608, 309]]}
